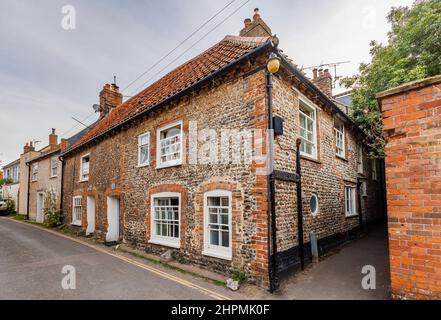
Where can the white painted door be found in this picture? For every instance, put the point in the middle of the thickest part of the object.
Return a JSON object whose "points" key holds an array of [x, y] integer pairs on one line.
{"points": [[40, 207], [113, 213], [90, 215]]}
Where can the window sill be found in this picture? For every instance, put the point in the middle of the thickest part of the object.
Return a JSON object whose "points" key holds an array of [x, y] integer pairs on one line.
{"points": [[53, 177], [169, 165], [76, 224], [82, 181], [308, 158], [166, 243], [218, 255], [342, 158], [143, 165], [351, 216]]}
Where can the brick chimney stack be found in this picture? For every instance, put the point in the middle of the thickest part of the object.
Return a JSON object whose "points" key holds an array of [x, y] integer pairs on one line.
{"points": [[322, 80], [28, 147], [110, 98], [64, 144], [256, 27], [53, 138]]}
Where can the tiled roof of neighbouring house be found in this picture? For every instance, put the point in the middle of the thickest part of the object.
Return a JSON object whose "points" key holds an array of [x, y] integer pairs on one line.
{"points": [[48, 151], [72, 140], [227, 51]]}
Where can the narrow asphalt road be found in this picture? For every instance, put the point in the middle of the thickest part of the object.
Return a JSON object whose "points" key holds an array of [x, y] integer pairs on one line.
{"points": [[31, 262]]}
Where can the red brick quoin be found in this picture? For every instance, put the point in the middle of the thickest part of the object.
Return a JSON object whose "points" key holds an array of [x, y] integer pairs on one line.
{"points": [[412, 125]]}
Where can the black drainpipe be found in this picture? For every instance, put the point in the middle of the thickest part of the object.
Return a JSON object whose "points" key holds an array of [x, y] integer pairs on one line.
{"points": [[62, 186], [29, 192], [360, 213], [299, 206], [274, 281]]}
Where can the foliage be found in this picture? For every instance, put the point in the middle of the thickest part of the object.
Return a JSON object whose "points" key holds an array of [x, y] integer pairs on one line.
{"points": [[5, 182], [19, 217], [413, 52], [239, 276], [10, 206], [51, 212]]}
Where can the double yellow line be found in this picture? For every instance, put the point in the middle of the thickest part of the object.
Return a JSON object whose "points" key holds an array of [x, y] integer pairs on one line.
{"points": [[156, 271]]}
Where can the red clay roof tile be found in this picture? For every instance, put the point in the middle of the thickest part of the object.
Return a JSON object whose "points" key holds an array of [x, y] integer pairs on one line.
{"points": [[223, 53]]}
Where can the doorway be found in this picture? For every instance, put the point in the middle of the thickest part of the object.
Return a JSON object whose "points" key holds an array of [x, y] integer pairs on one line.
{"points": [[90, 215], [40, 207], [113, 219]]}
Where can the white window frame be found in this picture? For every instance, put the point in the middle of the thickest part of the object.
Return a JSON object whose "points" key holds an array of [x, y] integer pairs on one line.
{"points": [[340, 151], [360, 164], [175, 162], [34, 172], [350, 209], [225, 253], [305, 103], [52, 175], [75, 221], [82, 179], [140, 137], [161, 240]]}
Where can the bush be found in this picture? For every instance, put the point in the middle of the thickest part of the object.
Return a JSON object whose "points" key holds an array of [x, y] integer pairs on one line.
{"points": [[51, 212], [10, 206], [239, 276], [53, 218]]}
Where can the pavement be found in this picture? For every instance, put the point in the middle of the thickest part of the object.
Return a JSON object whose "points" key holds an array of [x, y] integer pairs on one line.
{"points": [[339, 275], [32, 259]]}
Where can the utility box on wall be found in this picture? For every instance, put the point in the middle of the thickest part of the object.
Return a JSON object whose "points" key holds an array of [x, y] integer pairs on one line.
{"points": [[278, 126]]}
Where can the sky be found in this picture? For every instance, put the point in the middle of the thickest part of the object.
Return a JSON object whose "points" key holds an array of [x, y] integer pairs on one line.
{"points": [[53, 68]]}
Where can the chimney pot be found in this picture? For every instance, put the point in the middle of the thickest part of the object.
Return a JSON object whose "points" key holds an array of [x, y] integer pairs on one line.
{"points": [[255, 27], [28, 147], [256, 14], [314, 73]]}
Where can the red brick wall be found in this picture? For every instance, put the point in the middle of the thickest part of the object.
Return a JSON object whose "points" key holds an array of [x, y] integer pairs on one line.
{"points": [[412, 124]]}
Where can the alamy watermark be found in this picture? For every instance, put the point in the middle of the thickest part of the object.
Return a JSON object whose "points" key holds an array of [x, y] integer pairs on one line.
{"points": [[69, 19], [223, 146], [369, 281], [369, 20], [69, 281]]}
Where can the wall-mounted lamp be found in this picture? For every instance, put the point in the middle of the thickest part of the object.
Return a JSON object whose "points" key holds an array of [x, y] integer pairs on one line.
{"points": [[273, 63]]}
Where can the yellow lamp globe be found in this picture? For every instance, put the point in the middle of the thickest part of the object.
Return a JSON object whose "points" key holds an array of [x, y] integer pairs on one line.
{"points": [[273, 63]]}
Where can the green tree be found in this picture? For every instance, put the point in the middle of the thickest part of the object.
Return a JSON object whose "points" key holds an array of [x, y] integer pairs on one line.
{"points": [[413, 52]]}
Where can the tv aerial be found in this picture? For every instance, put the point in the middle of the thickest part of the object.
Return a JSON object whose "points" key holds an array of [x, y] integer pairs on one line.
{"points": [[333, 65]]}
